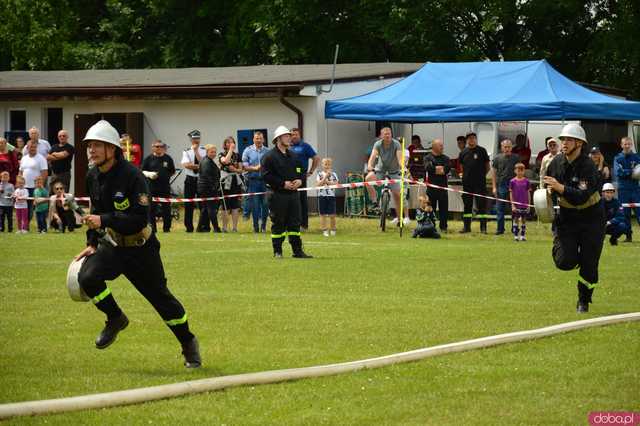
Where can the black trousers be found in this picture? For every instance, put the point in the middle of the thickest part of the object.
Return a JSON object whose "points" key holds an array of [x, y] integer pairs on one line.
{"points": [[67, 220], [284, 210], [142, 266], [191, 191], [6, 212], [481, 205], [578, 245], [440, 201], [304, 205], [165, 213]]}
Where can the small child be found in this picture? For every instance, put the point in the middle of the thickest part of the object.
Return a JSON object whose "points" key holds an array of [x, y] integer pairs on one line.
{"points": [[519, 195], [20, 195], [426, 220], [41, 202], [617, 223], [6, 202], [327, 197]]}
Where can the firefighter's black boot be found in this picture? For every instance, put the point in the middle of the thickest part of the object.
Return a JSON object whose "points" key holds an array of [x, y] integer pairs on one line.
{"points": [[296, 247], [276, 242], [110, 331], [191, 352], [467, 225], [584, 298]]}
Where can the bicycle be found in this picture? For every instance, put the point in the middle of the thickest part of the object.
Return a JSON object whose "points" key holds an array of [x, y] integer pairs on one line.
{"points": [[385, 199]]}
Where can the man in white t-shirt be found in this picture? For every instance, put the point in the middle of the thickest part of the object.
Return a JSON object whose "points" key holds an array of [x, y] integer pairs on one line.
{"points": [[43, 146], [32, 165]]}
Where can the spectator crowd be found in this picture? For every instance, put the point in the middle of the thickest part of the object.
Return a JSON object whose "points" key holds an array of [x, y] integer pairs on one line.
{"points": [[35, 177]]}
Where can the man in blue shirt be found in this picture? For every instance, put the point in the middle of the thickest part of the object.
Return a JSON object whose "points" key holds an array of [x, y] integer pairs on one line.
{"points": [[251, 158], [628, 189], [304, 152]]}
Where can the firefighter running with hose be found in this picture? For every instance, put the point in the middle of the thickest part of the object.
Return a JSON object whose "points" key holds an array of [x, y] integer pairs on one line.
{"points": [[283, 176], [579, 227], [120, 241]]}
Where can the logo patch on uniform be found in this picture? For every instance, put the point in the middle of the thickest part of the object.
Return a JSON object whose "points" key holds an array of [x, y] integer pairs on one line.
{"points": [[298, 169], [582, 185], [475, 156], [118, 195], [123, 205], [165, 164], [143, 199]]}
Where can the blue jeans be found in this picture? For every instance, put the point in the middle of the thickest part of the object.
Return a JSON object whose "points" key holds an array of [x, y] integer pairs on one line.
{"points": [[630, 195], [258, 203], [503, 192], [41, 218]]}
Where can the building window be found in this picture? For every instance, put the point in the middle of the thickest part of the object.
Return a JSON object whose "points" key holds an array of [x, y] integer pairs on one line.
{"points": [[18, 119]]}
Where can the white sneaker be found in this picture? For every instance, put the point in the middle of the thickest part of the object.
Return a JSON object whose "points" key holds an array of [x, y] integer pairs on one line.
{"points": [[325, 233], [522, 238], [333, 232], [406, 221], [394, 221], [516, 238]]}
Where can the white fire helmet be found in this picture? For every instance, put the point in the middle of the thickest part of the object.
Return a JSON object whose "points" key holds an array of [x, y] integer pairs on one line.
{"points": [[281, 130], [608, 187], [103, 131], [573, 131]]}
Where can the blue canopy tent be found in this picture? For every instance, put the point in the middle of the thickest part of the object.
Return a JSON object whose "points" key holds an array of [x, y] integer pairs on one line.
{"points": [[483, 91]]}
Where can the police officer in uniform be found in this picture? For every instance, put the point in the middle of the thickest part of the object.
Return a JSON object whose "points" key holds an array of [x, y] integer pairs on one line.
{"points": [[191, 162], [474, 162], [282, 175], [158, 168], [120, 241], [579, 227]]}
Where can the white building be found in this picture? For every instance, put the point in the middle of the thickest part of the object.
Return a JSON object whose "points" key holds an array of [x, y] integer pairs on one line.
{"points": [[168, 103]]}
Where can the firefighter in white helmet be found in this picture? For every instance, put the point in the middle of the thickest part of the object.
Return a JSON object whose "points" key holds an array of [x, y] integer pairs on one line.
{"points": [[579, 227], [119, 209]]}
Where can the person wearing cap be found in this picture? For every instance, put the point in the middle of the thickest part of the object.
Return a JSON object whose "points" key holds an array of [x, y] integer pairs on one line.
{"points": [[552, 144], [121, 242], [628, 189], [617, 223], [158, 169], [475, 165], [601, 165], [191, 159], [385, 159], [280, 171], [579, 227], [438, 166]]}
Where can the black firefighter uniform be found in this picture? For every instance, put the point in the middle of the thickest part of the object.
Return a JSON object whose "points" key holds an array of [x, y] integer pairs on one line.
{"points": [[120, 197], [579, 226]]}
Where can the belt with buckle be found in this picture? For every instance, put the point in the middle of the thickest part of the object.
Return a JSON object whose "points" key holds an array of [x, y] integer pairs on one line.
{"points": [[134, 240]]}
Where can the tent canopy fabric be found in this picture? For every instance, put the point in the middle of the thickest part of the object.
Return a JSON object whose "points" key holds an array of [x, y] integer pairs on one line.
{"points": [[483, 91]]}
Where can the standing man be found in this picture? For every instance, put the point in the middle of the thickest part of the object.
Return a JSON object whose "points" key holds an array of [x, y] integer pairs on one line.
{"points": [[628, 189], [502, 171], [60, 158], [120, 207], [251, 159], [34, 137], [552, 144], [386, 158], [191, 162], [474, 162], [461, 142], [579, 228], [304, 152], [280, 171], [158, 168], [438, 166]]}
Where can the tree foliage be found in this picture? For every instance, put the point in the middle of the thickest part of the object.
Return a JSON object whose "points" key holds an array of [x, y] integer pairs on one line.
{"points": [[596, 41]]}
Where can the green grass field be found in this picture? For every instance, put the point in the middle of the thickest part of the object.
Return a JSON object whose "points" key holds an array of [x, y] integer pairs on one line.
{"points": [[364, 294]]}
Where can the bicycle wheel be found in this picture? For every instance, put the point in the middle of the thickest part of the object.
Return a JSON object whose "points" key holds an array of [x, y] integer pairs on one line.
{"points": [[384, 209]]}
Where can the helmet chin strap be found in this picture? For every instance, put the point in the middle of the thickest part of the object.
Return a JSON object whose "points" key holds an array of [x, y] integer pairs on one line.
{"points": [[103, 162]]}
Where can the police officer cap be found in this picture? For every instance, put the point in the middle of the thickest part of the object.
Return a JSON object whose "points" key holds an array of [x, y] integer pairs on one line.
{"points": [[595, 150], [194, 134]]}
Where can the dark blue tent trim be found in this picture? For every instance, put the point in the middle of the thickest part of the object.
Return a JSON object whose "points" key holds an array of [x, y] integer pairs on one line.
{"points": [[483, 91]]}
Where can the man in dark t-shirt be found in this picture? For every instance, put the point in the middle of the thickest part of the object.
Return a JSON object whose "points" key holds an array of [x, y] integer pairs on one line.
{"points": [[60, 158], [475, 166], [158, 169]]}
